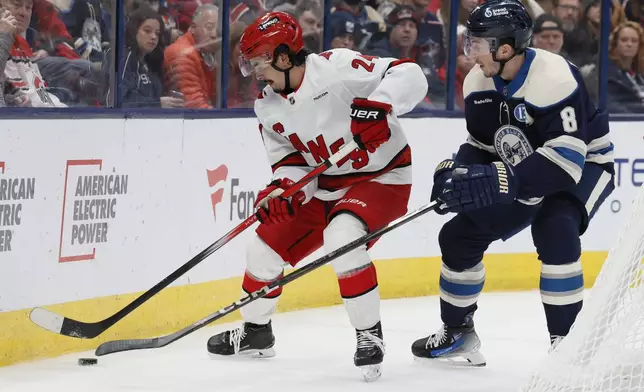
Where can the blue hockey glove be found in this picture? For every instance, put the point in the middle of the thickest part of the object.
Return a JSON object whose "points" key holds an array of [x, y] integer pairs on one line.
{"points": [[442, 173], [479, 186]]}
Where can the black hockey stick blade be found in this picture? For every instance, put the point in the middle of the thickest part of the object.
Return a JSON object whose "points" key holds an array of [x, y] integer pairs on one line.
{"points": [[78, 329], [115, 346]]}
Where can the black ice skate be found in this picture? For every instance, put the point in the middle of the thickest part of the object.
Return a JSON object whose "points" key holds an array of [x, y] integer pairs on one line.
{"points": [[370, 351], [249, 340], [456, 346]]}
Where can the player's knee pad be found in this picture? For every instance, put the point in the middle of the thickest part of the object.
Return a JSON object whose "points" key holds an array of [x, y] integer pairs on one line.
{"points": [[343, 229], [356, 273], [457, 250], [263, 265], [555, 232]]}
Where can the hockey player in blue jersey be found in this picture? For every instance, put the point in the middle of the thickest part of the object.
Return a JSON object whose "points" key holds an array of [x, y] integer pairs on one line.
{"points": [[538, 154]]}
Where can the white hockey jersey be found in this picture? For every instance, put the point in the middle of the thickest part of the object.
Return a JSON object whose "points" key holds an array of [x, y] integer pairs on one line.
{"points": [[25, 78], [305, 127]]}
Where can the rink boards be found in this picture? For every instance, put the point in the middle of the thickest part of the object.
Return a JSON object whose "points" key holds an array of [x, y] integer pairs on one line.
{"points": [[92, 211]]}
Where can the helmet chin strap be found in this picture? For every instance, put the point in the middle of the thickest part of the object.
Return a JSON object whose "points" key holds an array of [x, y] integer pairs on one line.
{"points": [[287, 78], [502, 62]]}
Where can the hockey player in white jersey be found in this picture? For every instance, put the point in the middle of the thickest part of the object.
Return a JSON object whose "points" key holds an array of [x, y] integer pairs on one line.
{"points": [[312, 106]]}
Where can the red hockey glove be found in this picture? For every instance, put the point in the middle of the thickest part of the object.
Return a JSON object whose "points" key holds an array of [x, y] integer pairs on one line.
{"points": [[273, 208], [369, 124]]}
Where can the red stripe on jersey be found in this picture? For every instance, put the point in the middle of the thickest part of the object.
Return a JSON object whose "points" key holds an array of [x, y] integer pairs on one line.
{"points": [[398, 62], [333, 183], [294, 159], [358, 284], [250, 285]]}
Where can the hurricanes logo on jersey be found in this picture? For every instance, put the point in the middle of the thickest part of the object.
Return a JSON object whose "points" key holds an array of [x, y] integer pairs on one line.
{"points": [[512, 145]]}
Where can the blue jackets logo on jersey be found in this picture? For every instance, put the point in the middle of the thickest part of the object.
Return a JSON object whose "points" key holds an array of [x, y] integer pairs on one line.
{"points": [[511, 144], [520, 113]]}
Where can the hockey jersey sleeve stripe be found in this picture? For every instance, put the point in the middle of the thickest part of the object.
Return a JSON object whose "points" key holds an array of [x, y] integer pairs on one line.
{"points": [[471, 140], [293, 159], [600, 143], [571, 168]]}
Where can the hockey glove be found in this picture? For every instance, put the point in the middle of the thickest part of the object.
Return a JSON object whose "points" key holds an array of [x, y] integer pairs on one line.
{"points": [[273, 208], [442, 173], [478, 186], [369, 124]]}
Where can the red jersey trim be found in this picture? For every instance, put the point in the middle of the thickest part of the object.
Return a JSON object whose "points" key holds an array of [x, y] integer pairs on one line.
{"points": [[293, 159], [333, 183]]}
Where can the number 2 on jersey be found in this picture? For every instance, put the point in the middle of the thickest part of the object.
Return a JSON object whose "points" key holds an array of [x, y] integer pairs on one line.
{"points": [[356, 63]]}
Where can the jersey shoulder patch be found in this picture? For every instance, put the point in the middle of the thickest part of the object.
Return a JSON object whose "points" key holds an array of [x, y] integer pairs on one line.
{"points": [[550, 80], [475, 82]]}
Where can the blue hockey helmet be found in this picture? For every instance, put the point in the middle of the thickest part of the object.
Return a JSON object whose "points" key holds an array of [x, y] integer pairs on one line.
{"points": [[495, 23]]}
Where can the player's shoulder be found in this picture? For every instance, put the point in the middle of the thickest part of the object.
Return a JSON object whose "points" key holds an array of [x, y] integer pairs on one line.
{"points": [[550, 80], [265, 102], [339, 58], [475, 81]]}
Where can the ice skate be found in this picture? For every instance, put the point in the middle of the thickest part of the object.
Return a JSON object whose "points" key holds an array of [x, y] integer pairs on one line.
{"points": [[248, 340], [455, 346], [370, 351], [554, 342]]}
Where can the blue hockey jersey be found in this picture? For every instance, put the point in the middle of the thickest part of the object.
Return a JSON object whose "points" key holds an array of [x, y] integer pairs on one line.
{"points": [[542, 123]]}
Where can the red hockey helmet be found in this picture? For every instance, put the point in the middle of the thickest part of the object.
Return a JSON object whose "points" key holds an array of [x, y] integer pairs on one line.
{"points": [[260, 39]]}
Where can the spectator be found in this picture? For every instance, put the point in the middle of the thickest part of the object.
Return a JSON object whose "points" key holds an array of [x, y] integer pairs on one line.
{"points": [[548, 34], [625, 71], [190, 62], [141, 84], [582, 44], [309, 15], [84, 21], [362, 12], [634, 11], [25, 84], [343, 30], [568, 12], [402, 43], [8, 26]]}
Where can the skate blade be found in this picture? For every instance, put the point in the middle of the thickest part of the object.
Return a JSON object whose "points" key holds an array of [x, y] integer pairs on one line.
{"points": [[471, 359], [371, 372], [246, 354], [265, 353]]}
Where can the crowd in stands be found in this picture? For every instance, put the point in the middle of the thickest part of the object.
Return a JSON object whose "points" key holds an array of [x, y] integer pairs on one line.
{"points": [[59, 53]]}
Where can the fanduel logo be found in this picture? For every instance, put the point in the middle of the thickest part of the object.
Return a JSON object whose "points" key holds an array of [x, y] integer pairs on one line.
{"points": [[214, 177]]}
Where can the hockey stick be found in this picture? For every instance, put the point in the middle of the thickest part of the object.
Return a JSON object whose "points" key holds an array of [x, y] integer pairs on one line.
{"points": [[78, 329], [115, 346]]}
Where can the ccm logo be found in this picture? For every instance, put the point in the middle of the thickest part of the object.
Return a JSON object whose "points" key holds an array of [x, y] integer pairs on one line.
{"points": [[364, 114]]}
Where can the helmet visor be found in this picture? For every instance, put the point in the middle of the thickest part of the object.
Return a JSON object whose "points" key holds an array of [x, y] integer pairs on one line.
{"points": [[249, 66], [474, 46]]}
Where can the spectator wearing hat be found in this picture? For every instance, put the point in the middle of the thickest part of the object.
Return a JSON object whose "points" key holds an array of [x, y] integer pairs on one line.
{"points": [[343, 27], [548, 33], [402, 42]]}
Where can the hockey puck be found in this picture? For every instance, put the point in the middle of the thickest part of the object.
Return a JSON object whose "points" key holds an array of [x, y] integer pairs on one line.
{"points": [[87, 361]]}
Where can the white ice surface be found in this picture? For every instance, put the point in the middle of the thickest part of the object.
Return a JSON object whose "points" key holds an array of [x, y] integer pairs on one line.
{"points": [[314, 353]]}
